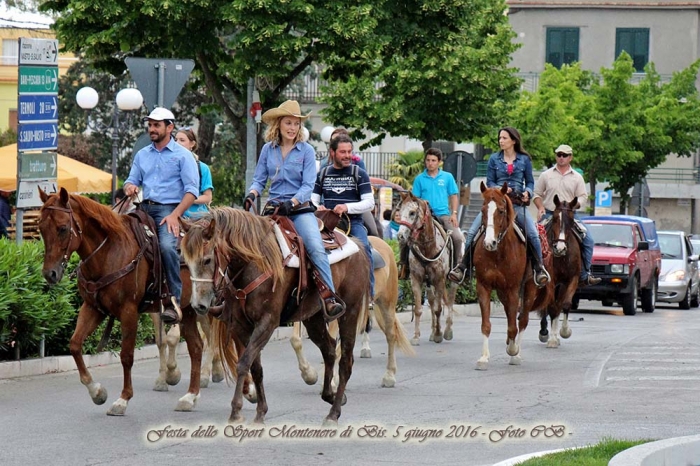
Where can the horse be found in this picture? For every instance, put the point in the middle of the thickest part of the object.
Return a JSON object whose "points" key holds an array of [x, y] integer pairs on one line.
{"points": [[429, 261], [245, 245], [501, 264], [113, 277], [386, 295], [565, 272]]}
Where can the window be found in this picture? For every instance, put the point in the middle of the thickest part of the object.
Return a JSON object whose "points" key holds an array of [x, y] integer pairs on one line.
{"points": [[10, 52], [562, 46], [634, 41]]}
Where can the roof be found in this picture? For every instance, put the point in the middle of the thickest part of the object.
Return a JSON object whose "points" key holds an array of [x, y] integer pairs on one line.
{"points": [[637, 4], [647, 225]]}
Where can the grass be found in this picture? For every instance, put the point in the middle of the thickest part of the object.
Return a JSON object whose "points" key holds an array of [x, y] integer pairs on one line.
{"points": [[592, 455]]}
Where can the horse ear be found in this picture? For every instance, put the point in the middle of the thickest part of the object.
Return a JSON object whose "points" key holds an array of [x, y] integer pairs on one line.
{"points": [[63, 195], [575, 205], [209, 230], [482, 186], [42, 195], [504, 188], [556, 200], [184, 224], [404, 195]]}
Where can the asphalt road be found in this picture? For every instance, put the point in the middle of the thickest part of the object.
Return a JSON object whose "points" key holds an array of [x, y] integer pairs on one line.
{"points": [[619, 376]]}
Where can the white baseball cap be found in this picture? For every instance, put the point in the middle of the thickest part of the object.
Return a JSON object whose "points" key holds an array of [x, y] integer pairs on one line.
{"points": [[160, 114], [566, 149]]}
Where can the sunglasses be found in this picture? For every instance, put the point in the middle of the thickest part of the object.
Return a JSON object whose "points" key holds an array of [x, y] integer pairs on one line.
{"points": [[184, 128], [562, 155]]}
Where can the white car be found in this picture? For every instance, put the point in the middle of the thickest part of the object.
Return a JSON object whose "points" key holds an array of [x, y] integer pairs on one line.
{"points": [[678, 282]]}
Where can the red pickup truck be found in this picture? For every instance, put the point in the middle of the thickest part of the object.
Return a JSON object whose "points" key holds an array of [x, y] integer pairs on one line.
{"points": [[628, 260]]}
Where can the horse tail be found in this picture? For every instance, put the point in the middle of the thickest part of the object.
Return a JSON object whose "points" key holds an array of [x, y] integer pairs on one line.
{"points": [[364, 313], [400, 337], [223, 341]]}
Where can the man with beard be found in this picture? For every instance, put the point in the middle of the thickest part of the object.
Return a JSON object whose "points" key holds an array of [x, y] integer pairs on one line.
{"points": [[168, 175]]}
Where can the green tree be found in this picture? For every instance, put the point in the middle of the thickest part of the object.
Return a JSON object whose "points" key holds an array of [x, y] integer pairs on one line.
{"points": [[442, 66]]}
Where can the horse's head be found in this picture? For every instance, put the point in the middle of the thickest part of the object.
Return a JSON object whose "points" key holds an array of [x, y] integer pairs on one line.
{"points": [[496, 215], [414, 216], [60, 231], [562, 223], [207, 269]]}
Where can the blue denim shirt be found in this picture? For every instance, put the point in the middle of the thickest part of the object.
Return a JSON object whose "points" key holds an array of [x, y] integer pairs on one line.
{"points": [[520, 180], [291, 177]]}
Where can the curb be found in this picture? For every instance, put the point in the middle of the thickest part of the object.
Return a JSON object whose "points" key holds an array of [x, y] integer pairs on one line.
{"points": [[678, 450]]}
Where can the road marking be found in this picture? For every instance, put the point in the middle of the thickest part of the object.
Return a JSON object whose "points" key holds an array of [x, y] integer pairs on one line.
{"points": [[595, 370], [655, 378], [681, 369], [673, 360]]}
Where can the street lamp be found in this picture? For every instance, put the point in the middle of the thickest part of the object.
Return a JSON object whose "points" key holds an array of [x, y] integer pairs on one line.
{"points": [[126, 100]]}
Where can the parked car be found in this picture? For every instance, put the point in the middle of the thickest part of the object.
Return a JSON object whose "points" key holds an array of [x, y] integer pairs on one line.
{"points": [[679, 282], [627, 258], [695, 242]]}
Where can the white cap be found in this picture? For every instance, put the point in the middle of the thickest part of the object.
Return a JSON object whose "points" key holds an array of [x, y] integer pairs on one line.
{"points": [[160, 114], [564, 149]]}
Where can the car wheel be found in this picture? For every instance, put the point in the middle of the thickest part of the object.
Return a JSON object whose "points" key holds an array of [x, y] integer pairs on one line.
{"points": [[649, 297], [629, 301], [685, 304]]}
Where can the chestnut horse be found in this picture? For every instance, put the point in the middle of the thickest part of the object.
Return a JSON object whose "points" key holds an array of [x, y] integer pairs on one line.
{"points": [[566, 267], [245, 246], [501, 264], [429, 260], [106, 246]]}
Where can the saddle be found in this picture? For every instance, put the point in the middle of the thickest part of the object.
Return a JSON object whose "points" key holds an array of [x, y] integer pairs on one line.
{"points": [[328, 222]]}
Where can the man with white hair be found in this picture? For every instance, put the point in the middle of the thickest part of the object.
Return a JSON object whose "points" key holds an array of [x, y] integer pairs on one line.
{"points": [[563, 181]]}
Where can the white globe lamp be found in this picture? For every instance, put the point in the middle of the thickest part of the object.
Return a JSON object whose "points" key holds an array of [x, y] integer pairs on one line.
{"points": [[326, 134], [87, 98]]}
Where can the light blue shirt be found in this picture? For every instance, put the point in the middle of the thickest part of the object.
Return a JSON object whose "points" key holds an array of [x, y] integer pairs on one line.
{"points": [[166, 175], [291, 177], [205, 183], [436, 190]]}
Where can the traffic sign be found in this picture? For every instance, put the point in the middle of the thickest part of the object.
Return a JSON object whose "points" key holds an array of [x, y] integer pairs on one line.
{"points": [[159, 80], [41, 79], [37, 165], [37, 137], [603, 198], [28, 192], [38, 107], [38, 51]]}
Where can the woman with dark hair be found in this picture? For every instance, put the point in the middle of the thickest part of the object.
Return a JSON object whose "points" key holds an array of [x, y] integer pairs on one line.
{"points": [[512, 164]]}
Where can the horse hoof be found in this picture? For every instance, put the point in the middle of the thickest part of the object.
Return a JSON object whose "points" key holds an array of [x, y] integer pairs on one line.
{"points": [[513, 351], [173, 378], [160, 386], [448, 335], [388, 381], [329, 422], [553, 343], [482, 365], [187, 403], [544, 337], [216, 377], [565, 334], [237, 419], [432, 338], [365, 353], [310, 376], [204, 382], [100, 397], [437, 339], [515, 361], [415, 342], [118, 408], [345, 400]]}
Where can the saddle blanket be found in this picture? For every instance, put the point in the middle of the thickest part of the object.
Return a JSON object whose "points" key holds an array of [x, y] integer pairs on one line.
{"points": [[336, 255]]}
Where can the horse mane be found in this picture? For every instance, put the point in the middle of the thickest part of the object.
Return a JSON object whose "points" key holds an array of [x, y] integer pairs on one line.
{"points": [[239, 234], [101, 216]]}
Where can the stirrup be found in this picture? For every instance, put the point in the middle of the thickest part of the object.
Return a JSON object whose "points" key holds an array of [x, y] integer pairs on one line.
{"points": [[457, 275], [546, 274], [332, 309], [171, 314]]}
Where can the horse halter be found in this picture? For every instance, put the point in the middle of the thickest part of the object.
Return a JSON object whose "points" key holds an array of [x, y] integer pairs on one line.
{"points": [[503, 228], [413, 227], [79, 234], [219, 280]]}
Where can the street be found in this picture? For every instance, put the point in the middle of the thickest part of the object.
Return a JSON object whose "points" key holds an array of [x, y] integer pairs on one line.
{"points": [[618, 376]]}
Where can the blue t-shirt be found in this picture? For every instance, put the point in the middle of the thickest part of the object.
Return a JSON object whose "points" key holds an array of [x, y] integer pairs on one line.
{"points": [[339, 187], [205, 183], [436, 191]]}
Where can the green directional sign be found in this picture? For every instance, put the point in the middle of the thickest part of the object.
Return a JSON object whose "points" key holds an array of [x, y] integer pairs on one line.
{"points": [[38, 79], [38, 165]]}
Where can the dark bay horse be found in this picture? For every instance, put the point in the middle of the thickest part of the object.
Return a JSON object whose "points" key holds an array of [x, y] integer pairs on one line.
{"points": [[244, 245], [566, 268], [114, 276], [501, 264], [429, 260]]}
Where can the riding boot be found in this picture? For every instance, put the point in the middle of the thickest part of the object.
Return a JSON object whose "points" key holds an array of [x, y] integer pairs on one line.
{"points": [[403, 262], [541, 277], [170, 311], [458, 273]]}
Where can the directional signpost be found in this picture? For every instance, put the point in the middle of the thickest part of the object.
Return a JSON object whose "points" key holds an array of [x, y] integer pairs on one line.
{"points": [[37, 138]]}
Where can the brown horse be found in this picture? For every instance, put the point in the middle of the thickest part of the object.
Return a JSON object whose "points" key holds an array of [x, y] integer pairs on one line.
{"points": [[106, 246], [429, 260], [566, 268], [501, 264], [245, 246]]}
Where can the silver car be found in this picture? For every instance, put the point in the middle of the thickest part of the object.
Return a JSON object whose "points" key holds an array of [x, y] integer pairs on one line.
{"points": [[679, 282]]}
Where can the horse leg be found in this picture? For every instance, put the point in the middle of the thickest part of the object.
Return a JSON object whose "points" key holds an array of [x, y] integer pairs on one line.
{"points": [[256, 372], [417, 288], [348, 333], [386, 321], [129, 321], [88, 320], [172, 339], [308, 373], [160, 385], [523, 319], [450, 293], [435, 301], [566, 307], [511, 303], [207, 351], [544, 333], [366, 351], [194, 348], [484, 297], [321, 337], [553, 341], [565, 329]]}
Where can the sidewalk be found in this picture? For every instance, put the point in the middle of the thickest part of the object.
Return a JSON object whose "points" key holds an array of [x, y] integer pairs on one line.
{"points": [[54, 364]]}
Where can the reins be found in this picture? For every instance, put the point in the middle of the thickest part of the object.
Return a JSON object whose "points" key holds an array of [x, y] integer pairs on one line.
{"points": [[416, 230]]}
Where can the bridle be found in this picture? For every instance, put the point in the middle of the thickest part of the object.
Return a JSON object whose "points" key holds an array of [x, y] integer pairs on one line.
{"points": [[561, 237], [504, 225], [416, 228]]}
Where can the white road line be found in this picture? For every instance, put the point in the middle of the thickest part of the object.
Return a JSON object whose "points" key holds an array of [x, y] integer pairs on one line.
{"points": [[684, 361], [595, 370], [647, 353], [678, 369], [656, 378]]}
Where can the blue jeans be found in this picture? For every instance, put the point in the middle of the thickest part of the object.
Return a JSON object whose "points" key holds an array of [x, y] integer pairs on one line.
{"points": [[586, 247], [307, 227], [359, 231], [522, 216], [168, 247]]}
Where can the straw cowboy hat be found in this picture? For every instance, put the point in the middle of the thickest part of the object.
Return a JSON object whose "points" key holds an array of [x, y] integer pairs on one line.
{"points": [[288, 108]]}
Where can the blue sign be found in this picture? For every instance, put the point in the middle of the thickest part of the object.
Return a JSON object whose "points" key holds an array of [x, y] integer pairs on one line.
{"points": [[37, 136], [34, 108], [603, 198]]}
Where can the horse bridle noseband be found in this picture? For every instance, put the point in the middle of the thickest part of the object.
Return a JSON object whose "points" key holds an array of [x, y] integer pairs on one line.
{"points": [[79, 234], [415, 234], [504, 229]]}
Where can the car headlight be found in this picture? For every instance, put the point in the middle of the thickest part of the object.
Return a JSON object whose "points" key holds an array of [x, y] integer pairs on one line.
{"points": [[675, 276], [619, 268]]}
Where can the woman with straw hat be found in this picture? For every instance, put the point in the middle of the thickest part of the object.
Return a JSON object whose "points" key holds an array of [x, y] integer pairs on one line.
{"points": [[289, 163]]}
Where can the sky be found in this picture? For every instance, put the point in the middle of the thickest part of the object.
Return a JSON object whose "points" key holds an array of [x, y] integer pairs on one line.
{"points": [[11, 17]]}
